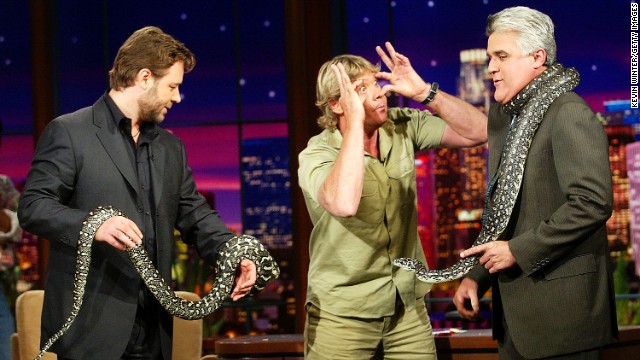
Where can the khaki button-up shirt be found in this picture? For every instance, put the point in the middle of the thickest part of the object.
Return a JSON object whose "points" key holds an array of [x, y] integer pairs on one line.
{"points": [[351, 271]]}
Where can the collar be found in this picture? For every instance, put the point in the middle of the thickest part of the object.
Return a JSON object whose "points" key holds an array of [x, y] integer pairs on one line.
{"points": [[385, 134], [541, 85], [148, 131]]}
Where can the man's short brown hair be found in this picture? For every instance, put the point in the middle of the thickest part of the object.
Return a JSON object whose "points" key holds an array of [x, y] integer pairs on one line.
{"points": [[148, 48]]}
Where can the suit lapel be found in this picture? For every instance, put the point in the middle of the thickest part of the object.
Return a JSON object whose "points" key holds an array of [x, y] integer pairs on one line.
{"points": [[157, 168], [499, 126], [114, 144]]}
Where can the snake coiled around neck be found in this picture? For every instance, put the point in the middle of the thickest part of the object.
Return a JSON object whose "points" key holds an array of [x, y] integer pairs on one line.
{"points": [[527, 109]]}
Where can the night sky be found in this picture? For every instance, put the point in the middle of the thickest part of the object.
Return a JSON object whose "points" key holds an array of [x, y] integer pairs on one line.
{"points": [[240, 76]]}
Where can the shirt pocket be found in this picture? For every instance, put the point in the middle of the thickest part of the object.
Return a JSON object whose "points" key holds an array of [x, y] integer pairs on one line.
{"points": [[369, 188], [371, 208], [401, 168]]}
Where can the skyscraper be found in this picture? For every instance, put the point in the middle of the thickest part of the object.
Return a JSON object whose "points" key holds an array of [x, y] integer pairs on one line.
{"points": [[633, 169], [620, 132], [451, 183], [266, 194], [266, 189]]}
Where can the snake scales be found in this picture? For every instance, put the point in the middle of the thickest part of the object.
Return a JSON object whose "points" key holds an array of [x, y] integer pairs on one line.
{"points": [[529, 106], [230, 255]]}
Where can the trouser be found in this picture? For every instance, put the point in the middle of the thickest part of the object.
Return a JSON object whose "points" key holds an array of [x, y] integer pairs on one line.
{"points": [[406, 335], [144, 341]]}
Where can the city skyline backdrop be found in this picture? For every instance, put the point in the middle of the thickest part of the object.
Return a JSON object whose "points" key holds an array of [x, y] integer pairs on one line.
{"points": [[238, 89], [233, 116]]}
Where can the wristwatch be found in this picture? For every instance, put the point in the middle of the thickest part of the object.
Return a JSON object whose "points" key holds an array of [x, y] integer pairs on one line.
{"points": [[432, 93]]}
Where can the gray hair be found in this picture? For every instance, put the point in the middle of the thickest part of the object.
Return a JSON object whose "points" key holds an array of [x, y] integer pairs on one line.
{"points": [[534, 30]]}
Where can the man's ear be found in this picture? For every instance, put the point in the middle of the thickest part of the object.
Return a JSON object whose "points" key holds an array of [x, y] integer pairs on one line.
{"points": [[539, 58], [334, 105], [144, 78]]}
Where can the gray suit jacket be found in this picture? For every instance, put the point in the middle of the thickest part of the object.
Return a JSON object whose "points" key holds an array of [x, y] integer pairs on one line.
{"points": [[559, 297], [80, 163]]}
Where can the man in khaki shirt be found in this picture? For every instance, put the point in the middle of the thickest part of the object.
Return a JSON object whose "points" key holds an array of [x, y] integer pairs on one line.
{"points": [[358, 179]]}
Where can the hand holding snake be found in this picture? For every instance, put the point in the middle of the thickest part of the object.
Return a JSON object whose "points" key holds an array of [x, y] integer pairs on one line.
{"points": [[243, 250], [494, 256], [119, 232]]}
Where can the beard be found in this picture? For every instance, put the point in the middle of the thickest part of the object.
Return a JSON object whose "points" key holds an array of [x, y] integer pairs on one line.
{"points": [[150, 107]]}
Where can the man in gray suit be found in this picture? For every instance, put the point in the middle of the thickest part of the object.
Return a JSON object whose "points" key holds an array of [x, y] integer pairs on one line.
{"points": [[550, 270], [114, 154]]}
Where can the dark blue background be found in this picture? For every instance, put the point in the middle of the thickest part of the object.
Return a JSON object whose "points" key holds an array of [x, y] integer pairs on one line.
{"points": [[238, 88]]}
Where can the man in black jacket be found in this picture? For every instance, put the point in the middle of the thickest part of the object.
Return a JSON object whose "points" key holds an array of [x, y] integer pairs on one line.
{"points": [[114, 154]]}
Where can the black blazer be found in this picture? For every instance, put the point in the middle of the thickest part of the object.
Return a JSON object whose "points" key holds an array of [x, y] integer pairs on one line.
{"points": [[81, 163], [559, 298]]}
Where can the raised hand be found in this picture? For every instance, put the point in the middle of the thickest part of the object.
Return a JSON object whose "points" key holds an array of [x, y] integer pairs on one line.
{"points": [[403, 79], [351, 101]]}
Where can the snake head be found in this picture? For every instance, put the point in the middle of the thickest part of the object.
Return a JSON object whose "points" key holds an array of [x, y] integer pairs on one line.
{"points": [[408, 264]]}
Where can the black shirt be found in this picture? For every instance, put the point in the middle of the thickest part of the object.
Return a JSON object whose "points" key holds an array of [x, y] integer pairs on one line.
{"points": [[141, 156]]}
